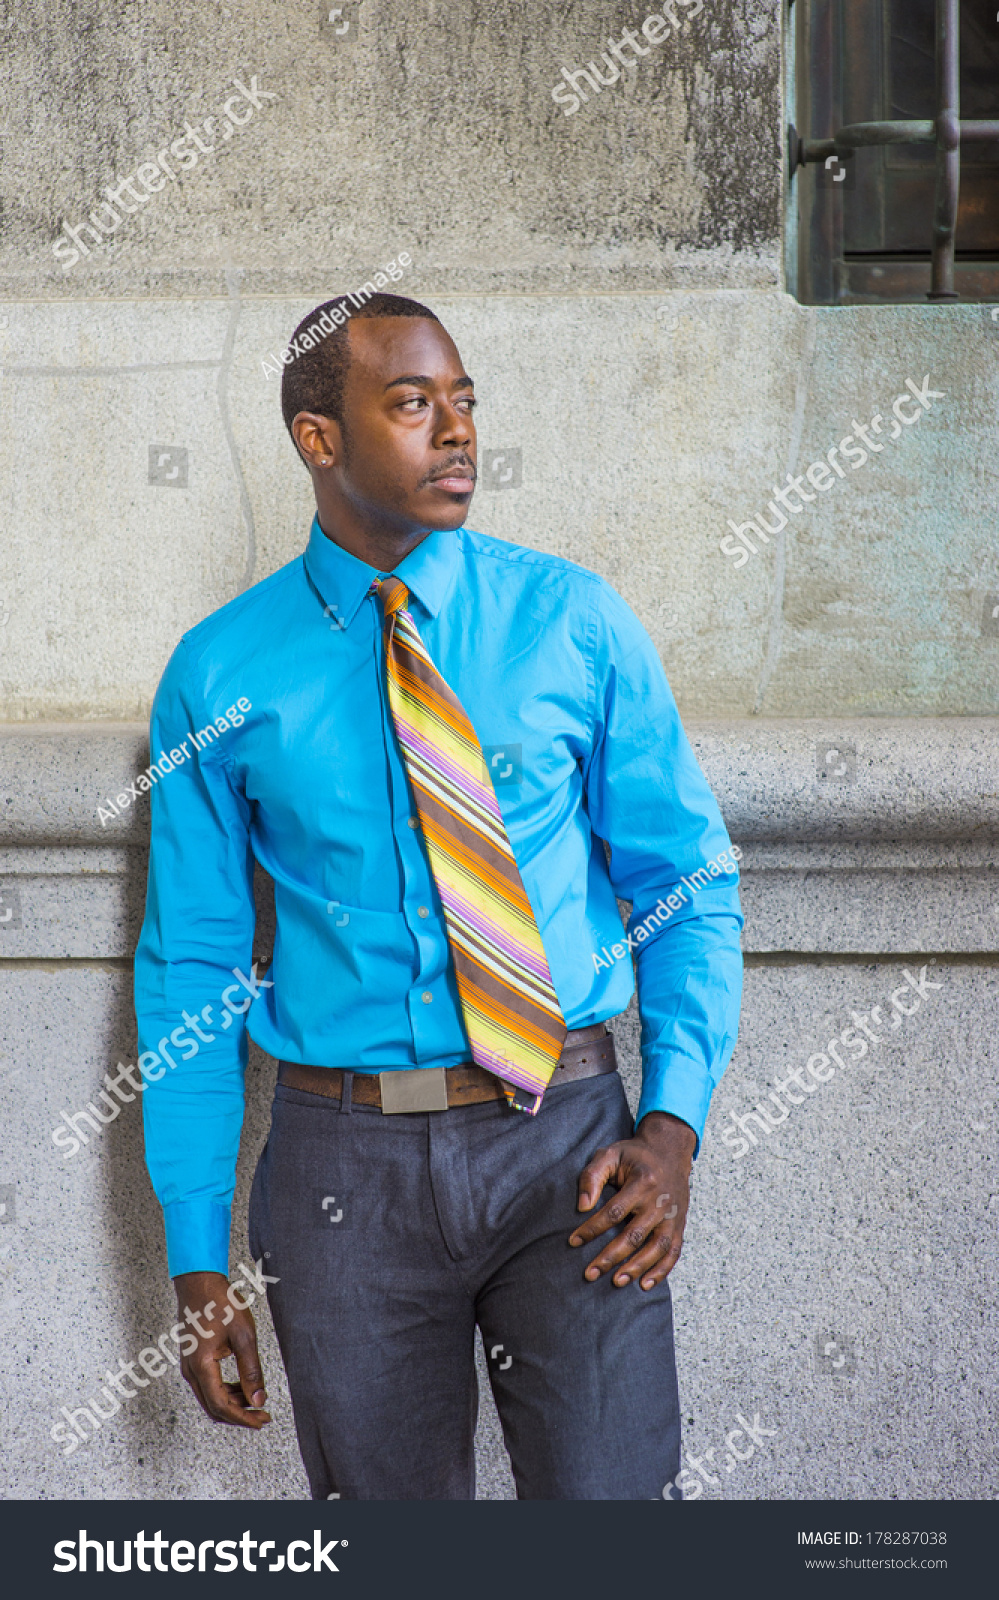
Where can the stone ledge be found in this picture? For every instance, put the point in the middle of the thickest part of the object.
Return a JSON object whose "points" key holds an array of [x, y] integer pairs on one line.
{"points": [[886, 778], [54, 776], [821, 874], [930, 779]]}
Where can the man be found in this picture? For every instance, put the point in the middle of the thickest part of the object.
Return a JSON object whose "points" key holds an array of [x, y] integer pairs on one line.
{"points": [[444, 730]]}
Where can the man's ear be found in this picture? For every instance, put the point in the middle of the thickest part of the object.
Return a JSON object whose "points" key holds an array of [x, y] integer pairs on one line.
{"points": [[319, 439]]}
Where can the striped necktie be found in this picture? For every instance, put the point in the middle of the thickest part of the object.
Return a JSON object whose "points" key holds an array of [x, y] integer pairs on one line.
{"points": [[512, 1015]]}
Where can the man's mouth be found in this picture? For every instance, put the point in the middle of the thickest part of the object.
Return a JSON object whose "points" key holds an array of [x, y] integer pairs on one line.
{"points": [[454, 480]]}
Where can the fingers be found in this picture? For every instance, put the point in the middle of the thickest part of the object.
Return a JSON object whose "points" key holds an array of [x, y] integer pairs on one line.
{"points": [[246, 1416], [615, 1256], [656, 1261], [648, 1248], [611, 1215], [651, 1237], [595, 1176], [243, 1339], [664, 1266], [223, 1401], [191, 1378], [649, 1210]]}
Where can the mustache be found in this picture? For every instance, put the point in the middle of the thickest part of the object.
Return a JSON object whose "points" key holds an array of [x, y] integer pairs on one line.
{"points": [[458, 460]]}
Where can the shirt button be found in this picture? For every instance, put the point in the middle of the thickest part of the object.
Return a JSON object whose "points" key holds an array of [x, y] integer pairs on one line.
{"points": [[414, 822], [427, 997], [422, 911]]}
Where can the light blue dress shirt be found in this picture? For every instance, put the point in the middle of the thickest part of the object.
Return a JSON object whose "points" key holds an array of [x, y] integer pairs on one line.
{"points": [[584, 742]]}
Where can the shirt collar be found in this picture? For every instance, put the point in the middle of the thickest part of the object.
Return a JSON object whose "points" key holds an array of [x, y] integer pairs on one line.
{"points": [[343, 580]]}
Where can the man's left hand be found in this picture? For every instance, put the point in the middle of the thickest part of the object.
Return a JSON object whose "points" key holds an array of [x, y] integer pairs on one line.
{"points": [[651, 1172]]}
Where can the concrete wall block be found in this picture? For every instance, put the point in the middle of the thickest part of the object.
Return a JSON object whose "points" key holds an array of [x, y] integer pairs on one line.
{"points": [[543, 200], [859, 911], [55, 780], [869, 779], [778, 780], [710, 401], [70, 914]]}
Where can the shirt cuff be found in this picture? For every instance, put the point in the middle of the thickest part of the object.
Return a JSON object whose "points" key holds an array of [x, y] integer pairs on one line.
{"points": [[197, 1236], [680, 1086]]}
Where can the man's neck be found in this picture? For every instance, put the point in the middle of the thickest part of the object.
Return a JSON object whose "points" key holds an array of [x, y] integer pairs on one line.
{"points": [[382, 549]]}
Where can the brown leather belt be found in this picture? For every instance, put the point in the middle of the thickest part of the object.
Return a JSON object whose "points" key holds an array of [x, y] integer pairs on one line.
{"points": [[588, 1053]]}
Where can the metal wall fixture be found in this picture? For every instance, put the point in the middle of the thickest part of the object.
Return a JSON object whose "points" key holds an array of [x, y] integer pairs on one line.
{"points": [[946, 131]]}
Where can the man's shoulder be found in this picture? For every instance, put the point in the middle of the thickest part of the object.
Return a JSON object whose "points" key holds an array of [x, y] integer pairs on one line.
{"points": [[532, 565], [231, 630]]}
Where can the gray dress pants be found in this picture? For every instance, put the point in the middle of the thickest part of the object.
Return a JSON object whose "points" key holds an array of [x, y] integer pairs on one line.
{"points": [[392, 1236]]}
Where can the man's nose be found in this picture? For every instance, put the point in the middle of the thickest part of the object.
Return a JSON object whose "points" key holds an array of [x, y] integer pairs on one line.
{"points": [[454, 427]]}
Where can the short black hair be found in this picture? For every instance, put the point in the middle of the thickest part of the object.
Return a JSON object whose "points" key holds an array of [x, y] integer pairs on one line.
{"points": [[314, 380]]}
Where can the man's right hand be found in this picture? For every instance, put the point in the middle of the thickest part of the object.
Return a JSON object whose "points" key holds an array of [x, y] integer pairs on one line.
{"points": [[203, 1307]]}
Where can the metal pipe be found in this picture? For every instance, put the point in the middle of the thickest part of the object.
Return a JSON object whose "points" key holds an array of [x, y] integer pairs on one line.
{"points": [[861, 135], [857, 135], [982, 131], [948, 131], [809, 150]]}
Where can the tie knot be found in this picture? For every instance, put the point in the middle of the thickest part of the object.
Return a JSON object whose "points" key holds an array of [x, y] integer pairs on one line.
{"points": [[392, 593]]}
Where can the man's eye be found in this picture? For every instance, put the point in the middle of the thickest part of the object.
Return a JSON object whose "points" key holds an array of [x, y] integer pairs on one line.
{"points": [[414, 401]]}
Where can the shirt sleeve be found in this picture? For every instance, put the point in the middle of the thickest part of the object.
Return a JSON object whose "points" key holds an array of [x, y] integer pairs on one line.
{"points": [[648, 799], [193, 978]]}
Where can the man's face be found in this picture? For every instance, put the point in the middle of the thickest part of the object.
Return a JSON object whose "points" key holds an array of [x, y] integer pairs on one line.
{"points": [[408, 442]]}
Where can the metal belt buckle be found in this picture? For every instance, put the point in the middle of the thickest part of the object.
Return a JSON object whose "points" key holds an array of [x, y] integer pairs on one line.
{"points": [[419, 1089]]}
